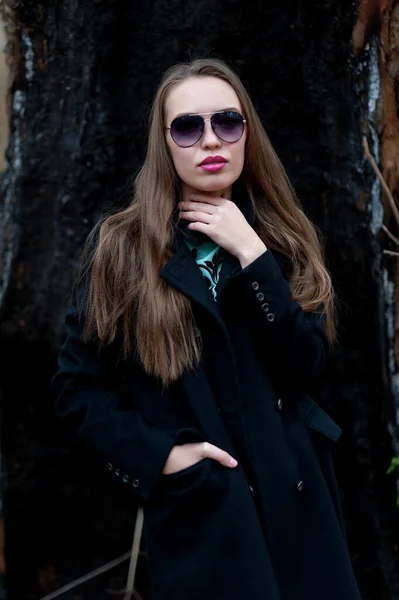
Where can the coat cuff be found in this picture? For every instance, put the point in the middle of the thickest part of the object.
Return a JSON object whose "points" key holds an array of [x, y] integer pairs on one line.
{"points": [[132, 449], [265, 285], [147, 472], [156, 448]]}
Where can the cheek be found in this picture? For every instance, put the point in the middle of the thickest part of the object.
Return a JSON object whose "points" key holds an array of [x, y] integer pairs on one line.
{"points": [[238, 155], [184, 163]]}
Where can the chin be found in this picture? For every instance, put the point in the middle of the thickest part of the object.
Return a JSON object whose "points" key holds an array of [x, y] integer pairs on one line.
{"points": [[214, 183]]}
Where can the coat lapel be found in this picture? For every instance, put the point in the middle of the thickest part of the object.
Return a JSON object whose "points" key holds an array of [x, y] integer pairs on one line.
{"points": [[183, 273]]}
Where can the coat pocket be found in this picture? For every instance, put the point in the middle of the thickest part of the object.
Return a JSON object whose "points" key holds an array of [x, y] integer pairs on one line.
{"points": [[187, 479], [188, 494], [323, 431], [184, 503]]}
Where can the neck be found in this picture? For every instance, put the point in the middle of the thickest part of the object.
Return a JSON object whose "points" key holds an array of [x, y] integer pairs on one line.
{"points": [[186, 190]]}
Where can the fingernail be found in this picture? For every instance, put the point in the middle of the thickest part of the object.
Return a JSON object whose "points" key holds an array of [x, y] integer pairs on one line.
{"points": [[233, 462]]}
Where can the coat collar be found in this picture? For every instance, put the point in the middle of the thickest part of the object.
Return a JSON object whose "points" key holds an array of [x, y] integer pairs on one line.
{"points": [[182, 272]]}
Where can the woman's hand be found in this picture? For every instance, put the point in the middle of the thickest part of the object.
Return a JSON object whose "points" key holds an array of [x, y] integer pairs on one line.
{"points": [[186, 455], [224, 223]]}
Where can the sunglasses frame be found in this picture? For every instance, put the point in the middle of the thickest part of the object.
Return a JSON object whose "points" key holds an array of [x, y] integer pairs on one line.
{"points": [[217, 112]]}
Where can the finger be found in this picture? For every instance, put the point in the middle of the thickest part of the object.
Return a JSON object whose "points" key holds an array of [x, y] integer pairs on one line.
{"points": [[215, 453], [201, 227], [199, 206], [192, 215]]}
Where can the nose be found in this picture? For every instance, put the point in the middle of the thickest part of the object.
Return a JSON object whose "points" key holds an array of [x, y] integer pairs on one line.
{"points": [[209, 138]]}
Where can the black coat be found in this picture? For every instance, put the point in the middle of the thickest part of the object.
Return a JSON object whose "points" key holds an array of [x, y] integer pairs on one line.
{"points": [[269, 529]]}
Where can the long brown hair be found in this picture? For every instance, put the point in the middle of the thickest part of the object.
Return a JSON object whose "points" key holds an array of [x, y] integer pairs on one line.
{"points": [[128, 248]]}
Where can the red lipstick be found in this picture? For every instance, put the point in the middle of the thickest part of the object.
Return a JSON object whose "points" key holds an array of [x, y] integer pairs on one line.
{"points": [[213, 163]]}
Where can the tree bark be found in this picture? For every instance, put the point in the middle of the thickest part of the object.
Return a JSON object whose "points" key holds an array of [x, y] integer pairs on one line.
{"points": [[82, 76]]}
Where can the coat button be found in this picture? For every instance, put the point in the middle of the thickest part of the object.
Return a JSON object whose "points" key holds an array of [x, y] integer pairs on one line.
{"points": [[260, 296], [265, 307], [109, 467], [299, 486], [251, 489], [117, 472], [125, 479], [270, 317], [135, 483], [255, 285], [279, 404]]}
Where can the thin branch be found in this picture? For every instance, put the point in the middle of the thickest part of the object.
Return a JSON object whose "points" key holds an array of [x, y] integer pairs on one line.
{"points": [[390, 253], [382, 180], [84, 578], [138, 529], [390, 235]]}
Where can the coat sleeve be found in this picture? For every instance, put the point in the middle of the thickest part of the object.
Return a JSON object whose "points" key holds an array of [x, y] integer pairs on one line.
{"points": [[86, 399], [294, 342]]}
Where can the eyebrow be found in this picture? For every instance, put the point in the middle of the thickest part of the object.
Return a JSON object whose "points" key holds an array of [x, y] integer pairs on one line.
{"points": [[206, 113]]}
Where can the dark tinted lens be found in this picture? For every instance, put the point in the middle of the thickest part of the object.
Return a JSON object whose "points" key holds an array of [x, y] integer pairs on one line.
{"points": [[187, 130], [228, 125]]}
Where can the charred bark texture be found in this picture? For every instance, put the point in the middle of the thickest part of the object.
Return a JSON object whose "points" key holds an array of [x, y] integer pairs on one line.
{"points": [[82, 78]]}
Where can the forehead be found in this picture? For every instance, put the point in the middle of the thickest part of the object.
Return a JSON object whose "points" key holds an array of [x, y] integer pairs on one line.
{"points": [[200, 95]]}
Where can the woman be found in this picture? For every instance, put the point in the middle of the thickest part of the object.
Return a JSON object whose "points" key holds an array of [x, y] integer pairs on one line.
{"points": [[202, 319]]}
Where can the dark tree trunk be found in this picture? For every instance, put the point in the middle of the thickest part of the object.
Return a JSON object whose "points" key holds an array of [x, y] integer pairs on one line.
{"points": [[82, 77]]}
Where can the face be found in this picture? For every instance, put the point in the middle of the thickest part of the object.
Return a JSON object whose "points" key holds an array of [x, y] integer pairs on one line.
{"points": [[205, 95]]}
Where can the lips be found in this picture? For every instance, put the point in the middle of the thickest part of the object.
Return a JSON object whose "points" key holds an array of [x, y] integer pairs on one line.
{"points": [[213, 160]]}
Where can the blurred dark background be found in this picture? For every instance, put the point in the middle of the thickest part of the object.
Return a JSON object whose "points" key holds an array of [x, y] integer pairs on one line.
{"points": [[80, 80]]}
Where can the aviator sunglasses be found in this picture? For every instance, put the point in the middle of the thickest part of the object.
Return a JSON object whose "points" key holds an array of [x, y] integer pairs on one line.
{"points": [[187, 130]]}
